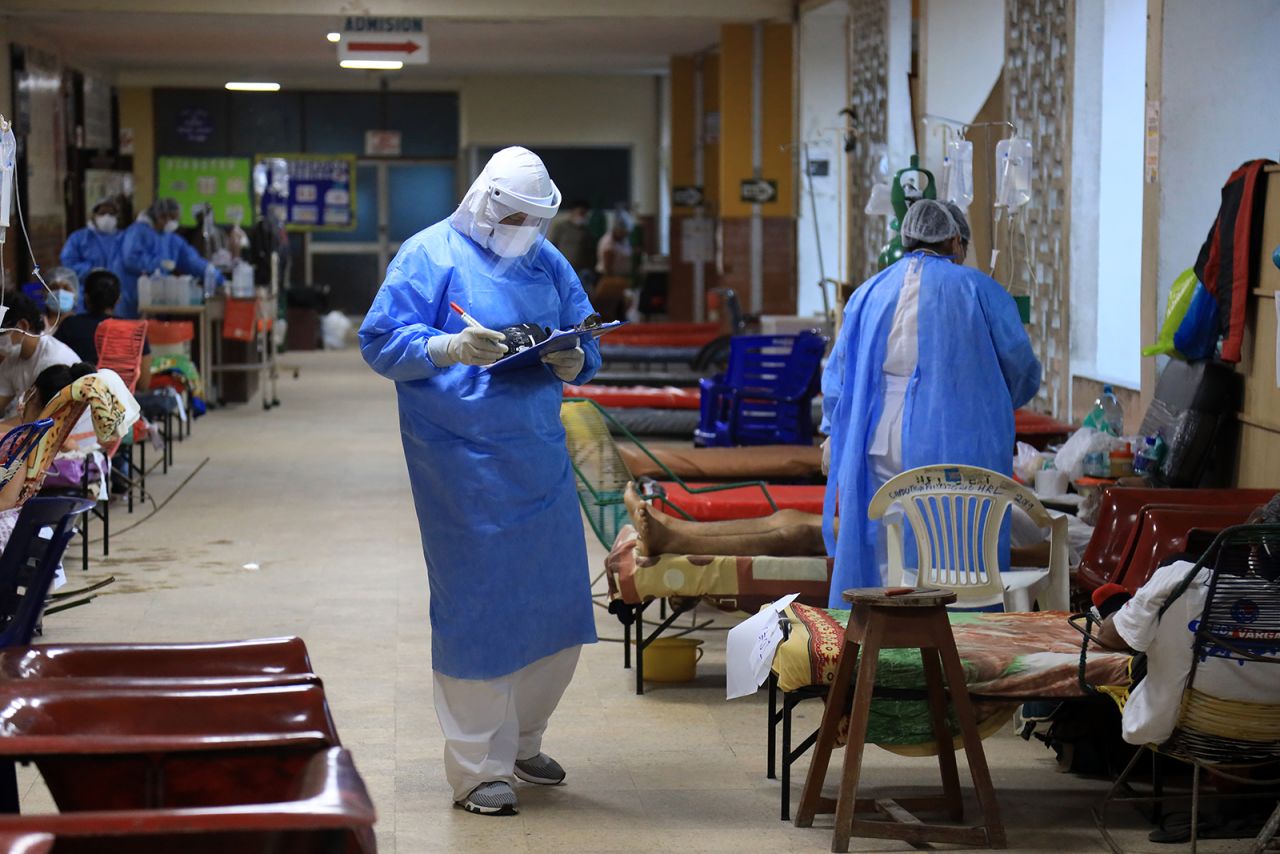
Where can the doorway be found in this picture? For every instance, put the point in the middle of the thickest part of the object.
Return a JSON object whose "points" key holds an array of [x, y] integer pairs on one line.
{"points": [[394, 200]]}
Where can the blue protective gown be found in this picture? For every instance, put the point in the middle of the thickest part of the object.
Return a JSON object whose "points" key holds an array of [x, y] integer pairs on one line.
{"points": [[142, 249], [88, 249], [492, 484], [975, 367]]}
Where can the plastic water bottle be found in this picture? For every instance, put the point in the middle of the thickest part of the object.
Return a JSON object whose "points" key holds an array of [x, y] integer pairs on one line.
{"points": [[1111, 410], [210, 282]]}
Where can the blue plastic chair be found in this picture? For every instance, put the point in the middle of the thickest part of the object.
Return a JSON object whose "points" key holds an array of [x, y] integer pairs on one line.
{"points": [[27, 567], [29, 562], [17, 445], [765, 396]]}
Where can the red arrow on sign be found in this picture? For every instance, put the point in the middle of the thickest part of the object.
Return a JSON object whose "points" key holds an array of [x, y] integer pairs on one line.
{"points": [[384, 47]]}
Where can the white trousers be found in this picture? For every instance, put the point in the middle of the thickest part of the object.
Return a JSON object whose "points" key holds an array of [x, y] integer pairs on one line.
{"points": [[490, 723]]}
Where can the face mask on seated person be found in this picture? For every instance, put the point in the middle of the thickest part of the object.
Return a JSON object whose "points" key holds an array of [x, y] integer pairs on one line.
{"points": [[9, 349], [105, 223], [60, 302], [171, 226]]}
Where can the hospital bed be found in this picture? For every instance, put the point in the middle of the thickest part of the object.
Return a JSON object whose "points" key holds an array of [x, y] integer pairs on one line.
{"points": [[1009, 659], [601, 476]]}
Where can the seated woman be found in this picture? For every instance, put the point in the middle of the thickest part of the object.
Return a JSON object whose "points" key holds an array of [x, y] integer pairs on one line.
{"points": [[62, 296], [786, 533], [48, 383]]}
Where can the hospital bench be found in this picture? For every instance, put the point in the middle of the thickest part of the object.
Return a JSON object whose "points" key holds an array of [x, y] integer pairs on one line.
{"points": [[197, 746], [1119, 510]]}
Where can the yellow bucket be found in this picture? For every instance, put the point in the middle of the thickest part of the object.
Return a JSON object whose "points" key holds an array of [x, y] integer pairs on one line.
{"points": [[672, 660]]}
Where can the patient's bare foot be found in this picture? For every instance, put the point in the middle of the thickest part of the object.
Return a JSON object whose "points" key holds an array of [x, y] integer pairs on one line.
{"points": [[641, 517]]}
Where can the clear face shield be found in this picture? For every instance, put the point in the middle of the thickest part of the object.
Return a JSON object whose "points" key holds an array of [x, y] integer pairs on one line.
{"points": [[511, 227]]}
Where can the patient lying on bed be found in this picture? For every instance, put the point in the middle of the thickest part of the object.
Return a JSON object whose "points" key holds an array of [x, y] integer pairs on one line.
{"points": [[785, 533]]}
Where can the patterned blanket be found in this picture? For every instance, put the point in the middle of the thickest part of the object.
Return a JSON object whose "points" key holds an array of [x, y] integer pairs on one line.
{"points": [[743, 583], [181, 365], [1013, 657], [106, 414]]}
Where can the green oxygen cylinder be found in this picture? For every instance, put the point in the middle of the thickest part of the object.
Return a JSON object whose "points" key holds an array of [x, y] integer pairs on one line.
{"points": [[597, 224], [904, 194]]}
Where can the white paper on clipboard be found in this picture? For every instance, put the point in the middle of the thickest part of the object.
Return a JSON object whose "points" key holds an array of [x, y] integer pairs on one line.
{"points": [[749, 649]]}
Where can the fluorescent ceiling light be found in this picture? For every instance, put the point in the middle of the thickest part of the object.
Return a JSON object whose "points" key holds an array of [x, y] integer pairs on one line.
{"points": [[334, 37], [239, 86], [376, 64]]}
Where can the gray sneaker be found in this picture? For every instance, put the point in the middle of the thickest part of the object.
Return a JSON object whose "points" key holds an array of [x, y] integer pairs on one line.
{"points": [[490, 799], [540, 769]]}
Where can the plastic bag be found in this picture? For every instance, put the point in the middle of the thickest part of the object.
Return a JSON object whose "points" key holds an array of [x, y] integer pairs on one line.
{"points": [[1085, 441], [1180, 294], [1027, 462], [334, 328], [1197, 335]]}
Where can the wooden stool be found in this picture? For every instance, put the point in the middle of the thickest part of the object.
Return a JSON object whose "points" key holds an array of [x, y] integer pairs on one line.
{"points": [[916, 620]]}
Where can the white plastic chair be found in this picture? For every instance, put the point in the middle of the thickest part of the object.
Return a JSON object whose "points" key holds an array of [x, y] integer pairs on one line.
{"points": [[956, 513]]}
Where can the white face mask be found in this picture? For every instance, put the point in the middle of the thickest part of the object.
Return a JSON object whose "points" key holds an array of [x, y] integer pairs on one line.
{"points": [[106, 223], [9, 349], [512, 241], [171, 226]]}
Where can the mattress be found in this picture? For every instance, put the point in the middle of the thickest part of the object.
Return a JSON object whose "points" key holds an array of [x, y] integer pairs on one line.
{"points": [[1007, 658], [760, 462], [638, 397], [734, 583], [649, 421], [648, 353], [745, 502]]}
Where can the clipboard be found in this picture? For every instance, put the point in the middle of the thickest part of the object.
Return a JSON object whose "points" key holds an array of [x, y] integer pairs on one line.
{"points": [[559, 340]]}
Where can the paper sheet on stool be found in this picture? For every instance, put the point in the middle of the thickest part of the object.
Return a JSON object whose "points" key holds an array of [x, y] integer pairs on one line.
{"points": [[749, 649]]}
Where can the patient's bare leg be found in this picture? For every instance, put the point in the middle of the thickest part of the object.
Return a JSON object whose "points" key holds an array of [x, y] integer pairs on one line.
{"points": [[795, 533], [731, 527]]}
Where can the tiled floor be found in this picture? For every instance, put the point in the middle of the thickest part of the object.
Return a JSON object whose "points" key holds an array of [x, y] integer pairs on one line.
{"points": [[314, 494]]}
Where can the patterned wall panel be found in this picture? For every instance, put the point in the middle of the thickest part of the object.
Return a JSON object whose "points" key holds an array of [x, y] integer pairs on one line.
{"points": [[1039, 50], [868, 61]]}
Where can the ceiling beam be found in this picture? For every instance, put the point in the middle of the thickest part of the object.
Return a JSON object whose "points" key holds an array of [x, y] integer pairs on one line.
{"points": [[738, 10]]}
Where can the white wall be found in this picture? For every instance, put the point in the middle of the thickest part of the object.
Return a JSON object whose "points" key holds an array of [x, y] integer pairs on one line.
{"points": [[1220, 107], [963, 47], [1086, 157], [823, 93], [902, 134], [1124, 72], [1106, 186], [569, 110]]}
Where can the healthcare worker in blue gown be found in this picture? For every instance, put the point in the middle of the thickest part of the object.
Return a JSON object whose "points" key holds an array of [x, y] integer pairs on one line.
{"points": [[930, 363], [150, 245], [492, 483], [97, 244]]}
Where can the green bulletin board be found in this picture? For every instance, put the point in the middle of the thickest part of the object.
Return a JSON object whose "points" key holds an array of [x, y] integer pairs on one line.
{"points": [[223, 181]]}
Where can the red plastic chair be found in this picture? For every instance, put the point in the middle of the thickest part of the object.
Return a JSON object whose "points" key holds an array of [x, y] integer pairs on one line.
{"points": [[120, 344]]}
